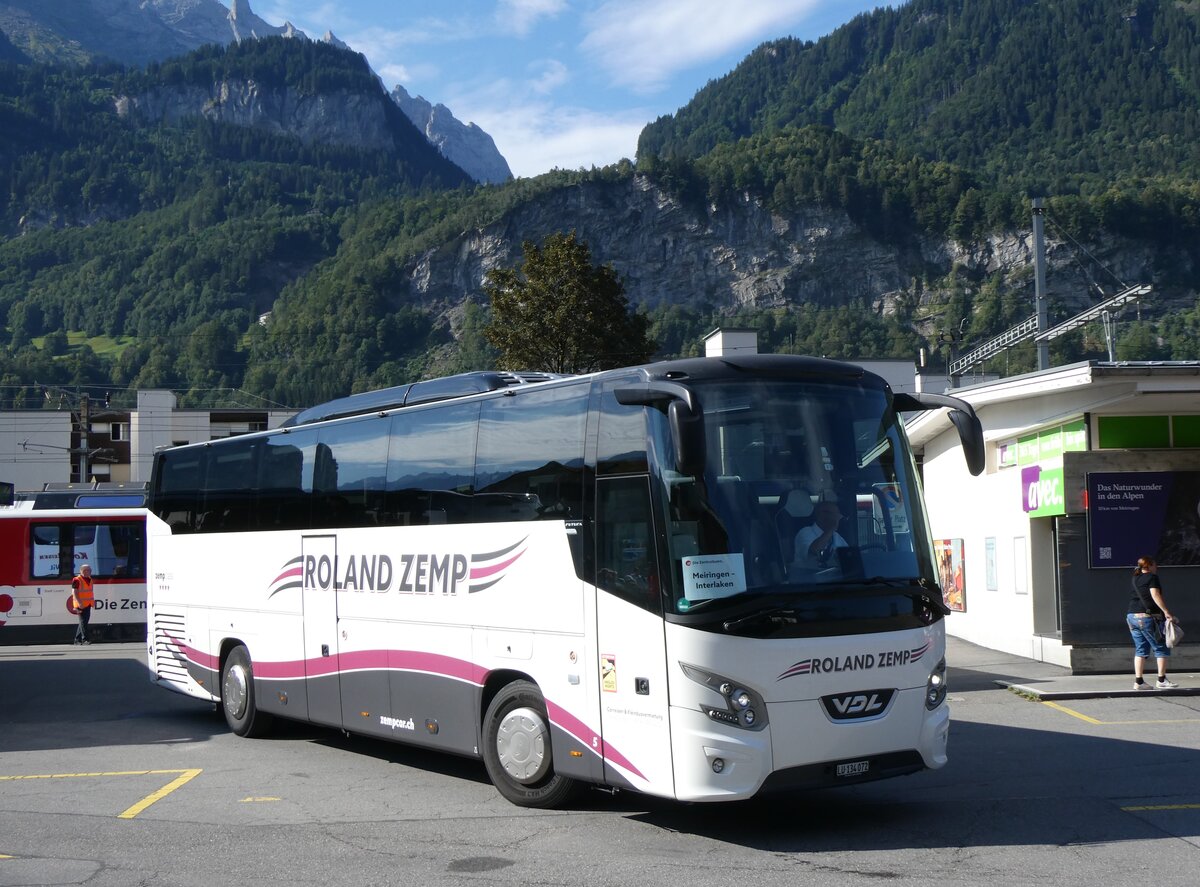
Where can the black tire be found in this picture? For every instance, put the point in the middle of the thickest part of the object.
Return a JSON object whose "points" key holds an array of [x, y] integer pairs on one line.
{"points": [[517, 750], [237, 695]]}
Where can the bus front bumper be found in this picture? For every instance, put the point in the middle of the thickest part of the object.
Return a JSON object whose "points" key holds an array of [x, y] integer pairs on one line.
{"points": [[801, 747]]}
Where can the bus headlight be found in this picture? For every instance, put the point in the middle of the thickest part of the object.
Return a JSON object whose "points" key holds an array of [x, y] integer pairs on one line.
{"points": [[935, 689], [740, 707]]}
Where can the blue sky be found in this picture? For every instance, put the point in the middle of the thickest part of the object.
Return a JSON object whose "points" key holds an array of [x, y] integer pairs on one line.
{"points": [[559, 83]]}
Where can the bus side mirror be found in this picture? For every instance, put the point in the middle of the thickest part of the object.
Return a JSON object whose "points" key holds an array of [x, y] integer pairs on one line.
{"points": [[684, 416], [962, 414], [687, 431], [970, 432]]}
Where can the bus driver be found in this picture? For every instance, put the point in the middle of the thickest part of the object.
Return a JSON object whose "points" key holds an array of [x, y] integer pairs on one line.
{"points": [[816, 543]]}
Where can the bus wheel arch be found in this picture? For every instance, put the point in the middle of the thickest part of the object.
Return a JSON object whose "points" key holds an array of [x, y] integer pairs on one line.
{"points": [[238, 701], [517, 748]]}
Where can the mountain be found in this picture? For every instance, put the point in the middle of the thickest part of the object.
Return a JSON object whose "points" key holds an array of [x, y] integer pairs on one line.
{"points": [[1052, 97], [133, 32], [466, 145], [312, 91], [143, 32], [9, 53], [228, 248]]}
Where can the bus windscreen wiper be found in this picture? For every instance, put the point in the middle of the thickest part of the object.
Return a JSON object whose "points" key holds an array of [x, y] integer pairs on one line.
{"points": [[770, 614]]}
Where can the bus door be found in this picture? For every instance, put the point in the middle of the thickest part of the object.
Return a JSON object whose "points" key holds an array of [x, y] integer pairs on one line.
{"points": [[632, 643], [319, 596]]}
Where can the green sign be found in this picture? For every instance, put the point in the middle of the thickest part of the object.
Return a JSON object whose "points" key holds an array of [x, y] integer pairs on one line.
{"points": [[1040, 456]]}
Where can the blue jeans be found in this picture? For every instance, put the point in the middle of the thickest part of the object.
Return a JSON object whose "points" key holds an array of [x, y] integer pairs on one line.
{"points": [[1147, 637]]}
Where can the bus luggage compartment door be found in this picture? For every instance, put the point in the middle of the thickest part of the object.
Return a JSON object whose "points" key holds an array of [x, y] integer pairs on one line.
{"points": [[319, 594]]}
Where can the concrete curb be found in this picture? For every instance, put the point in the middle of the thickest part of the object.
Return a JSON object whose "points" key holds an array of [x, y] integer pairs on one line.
{"points": [[1052, 693]]}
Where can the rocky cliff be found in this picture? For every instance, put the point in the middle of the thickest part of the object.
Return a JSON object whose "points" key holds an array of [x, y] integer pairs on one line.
{"points": [[466, 145], [357, 119], [745, 255]]}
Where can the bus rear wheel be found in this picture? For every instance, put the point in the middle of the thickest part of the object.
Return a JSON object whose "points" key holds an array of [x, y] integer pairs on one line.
{"points": [[237, 695], [517, 750]]}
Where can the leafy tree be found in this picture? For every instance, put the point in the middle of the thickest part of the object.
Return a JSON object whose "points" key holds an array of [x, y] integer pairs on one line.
{"points": [[474, 352], [55, 344], [560, 313]]}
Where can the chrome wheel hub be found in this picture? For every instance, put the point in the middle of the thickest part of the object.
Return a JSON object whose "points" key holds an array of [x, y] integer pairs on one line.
{"points": [[523, 744], [234, 691]]}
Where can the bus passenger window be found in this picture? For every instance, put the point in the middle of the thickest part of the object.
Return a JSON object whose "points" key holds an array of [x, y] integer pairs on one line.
{"points": [[45, 542], [178, 484], [430, 467], [530, 462]]}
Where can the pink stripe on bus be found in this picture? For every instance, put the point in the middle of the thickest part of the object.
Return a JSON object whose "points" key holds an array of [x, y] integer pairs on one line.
{"points": [[482, 572]]}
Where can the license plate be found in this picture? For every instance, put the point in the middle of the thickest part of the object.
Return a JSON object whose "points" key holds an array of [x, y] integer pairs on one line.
{"points": [[855, 768]]}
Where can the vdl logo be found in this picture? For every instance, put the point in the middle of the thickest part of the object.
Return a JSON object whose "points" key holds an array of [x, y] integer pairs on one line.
{"points": [[859, 706]]}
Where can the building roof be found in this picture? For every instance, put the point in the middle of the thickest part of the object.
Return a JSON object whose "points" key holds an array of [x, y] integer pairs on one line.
{"points": [[1106, 384]]}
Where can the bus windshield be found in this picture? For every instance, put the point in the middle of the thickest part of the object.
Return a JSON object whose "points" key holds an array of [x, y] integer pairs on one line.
{"points": [[808, 486]]}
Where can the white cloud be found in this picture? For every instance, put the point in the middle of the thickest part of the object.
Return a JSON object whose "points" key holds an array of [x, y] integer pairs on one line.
{"points": [[642, 43], [563, 139], [521, 16], [547, 76], [536, 136]]}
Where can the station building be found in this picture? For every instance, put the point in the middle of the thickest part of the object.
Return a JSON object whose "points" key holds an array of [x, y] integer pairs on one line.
{"points": [[1089, 467]]}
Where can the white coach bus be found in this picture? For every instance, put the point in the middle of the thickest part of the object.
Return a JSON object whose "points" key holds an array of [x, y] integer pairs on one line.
{"points": [[590, 579]]}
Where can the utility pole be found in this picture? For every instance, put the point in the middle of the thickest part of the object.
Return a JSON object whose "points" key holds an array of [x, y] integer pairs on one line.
{"points": [[1039, 284], [85, 423]]}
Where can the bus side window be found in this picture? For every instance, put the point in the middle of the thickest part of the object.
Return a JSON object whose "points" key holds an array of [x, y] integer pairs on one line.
{"points": [[530, 462], [430, 466], [285, 481], [351, 471], [229, 494], [178, 484], [626, 563], [45, 544], [129, 550]]}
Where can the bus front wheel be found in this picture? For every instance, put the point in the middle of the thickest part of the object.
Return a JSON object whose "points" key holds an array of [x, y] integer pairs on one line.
{"points": [[517, 750], [237, 695]]}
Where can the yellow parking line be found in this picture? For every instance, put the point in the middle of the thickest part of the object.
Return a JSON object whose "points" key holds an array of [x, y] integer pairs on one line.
{"points": [[1163, 807], [1083, 717], [1071, 712], [184, 776]]}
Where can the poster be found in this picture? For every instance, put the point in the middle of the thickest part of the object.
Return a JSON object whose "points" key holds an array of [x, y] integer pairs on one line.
{"points": [[951, 575], [1143, 513]]}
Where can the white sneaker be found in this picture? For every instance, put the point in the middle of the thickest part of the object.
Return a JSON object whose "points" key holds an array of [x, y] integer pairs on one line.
{"points": [[1165, 684], [1140, 685]]}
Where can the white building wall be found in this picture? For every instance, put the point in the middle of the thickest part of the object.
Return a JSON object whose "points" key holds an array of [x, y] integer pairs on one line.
{"points": [[727, 343], [976, 509], [901, 375], [150, 427], [45, 456]]}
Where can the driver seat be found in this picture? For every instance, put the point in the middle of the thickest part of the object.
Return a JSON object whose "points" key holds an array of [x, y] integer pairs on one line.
{"points": [[795, 513]]}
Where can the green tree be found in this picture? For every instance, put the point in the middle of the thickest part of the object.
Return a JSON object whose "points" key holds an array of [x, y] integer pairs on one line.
{"points": [[55, 344], [561, 313]]}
